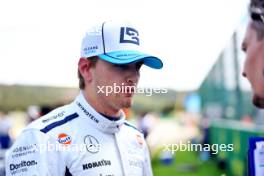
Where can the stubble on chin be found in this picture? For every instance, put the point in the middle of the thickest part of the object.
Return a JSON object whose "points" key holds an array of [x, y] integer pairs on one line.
{"points": [[127, 104]]}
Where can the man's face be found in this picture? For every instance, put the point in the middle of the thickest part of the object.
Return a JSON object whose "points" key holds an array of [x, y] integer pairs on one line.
{"points": [[110, 80], [254, 65]]}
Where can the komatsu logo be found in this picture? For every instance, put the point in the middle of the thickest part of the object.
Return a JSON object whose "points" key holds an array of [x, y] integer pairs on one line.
{"points": [[96, 164]]}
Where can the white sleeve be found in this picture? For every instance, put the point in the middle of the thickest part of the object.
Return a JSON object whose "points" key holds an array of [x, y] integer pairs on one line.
{"points": [[34, 153], [147, 163]]}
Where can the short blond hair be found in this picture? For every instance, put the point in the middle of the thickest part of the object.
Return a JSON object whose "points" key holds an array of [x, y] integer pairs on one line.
{"points": [[93, 61]]}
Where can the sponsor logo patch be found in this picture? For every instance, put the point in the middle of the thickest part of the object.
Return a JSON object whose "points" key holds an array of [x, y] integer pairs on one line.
{"points": [[92, 144], [23, 166], [135, 163], [96, 164], [60, 114], [91, 116], [24, 150], [64, 139], [139, 140], [129, 35]]}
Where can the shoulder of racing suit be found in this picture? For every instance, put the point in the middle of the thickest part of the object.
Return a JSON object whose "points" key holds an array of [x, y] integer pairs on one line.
{"points": [[132, 131], [54, 119], [28, 155], [132, 127]]}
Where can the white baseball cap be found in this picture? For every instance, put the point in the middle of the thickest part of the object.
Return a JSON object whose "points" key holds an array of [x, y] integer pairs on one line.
{"points": [[117, 43]]}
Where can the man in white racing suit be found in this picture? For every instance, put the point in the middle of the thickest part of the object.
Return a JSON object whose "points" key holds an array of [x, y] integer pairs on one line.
{"points": [[90, 136]]}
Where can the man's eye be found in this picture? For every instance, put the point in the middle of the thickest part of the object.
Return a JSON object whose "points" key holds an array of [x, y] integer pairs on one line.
{"points": [[122, 67], [138, 66], [129, 67]]}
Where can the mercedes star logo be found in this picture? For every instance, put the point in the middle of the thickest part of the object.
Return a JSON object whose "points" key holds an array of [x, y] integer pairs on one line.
{"points": [[92, 144]]}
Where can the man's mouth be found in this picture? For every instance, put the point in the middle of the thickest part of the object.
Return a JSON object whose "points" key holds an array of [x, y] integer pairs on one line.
{"points": [[129, 91]]}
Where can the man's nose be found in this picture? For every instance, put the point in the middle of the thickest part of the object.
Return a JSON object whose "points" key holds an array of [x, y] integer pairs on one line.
{"points": [[133, 77], [244, 70], [244, 74]]}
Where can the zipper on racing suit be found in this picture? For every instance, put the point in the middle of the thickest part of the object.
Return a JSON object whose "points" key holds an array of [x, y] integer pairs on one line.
{"points": [[120, 155]]}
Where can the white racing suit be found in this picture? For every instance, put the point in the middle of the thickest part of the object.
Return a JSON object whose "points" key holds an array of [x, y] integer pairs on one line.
{"points": [[77, 140]]}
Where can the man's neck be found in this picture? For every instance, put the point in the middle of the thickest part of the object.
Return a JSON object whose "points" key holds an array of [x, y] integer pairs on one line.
{"points": [[99, 107]]}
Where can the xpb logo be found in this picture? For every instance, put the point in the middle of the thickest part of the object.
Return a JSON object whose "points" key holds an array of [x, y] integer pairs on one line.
{"points": [[129, 35]]}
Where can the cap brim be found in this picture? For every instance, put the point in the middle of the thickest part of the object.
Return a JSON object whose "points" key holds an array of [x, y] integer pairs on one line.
{"points": [[127, 57]]}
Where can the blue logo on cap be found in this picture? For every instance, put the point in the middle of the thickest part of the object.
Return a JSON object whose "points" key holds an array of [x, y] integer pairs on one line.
{"points": [[129, 35]]}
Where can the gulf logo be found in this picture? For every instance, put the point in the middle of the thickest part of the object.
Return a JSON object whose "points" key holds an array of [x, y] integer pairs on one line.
{"points": [[64, 139]]}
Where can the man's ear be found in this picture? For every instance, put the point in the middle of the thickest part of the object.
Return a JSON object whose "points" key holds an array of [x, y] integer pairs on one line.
{"points": [[84, 66]]}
